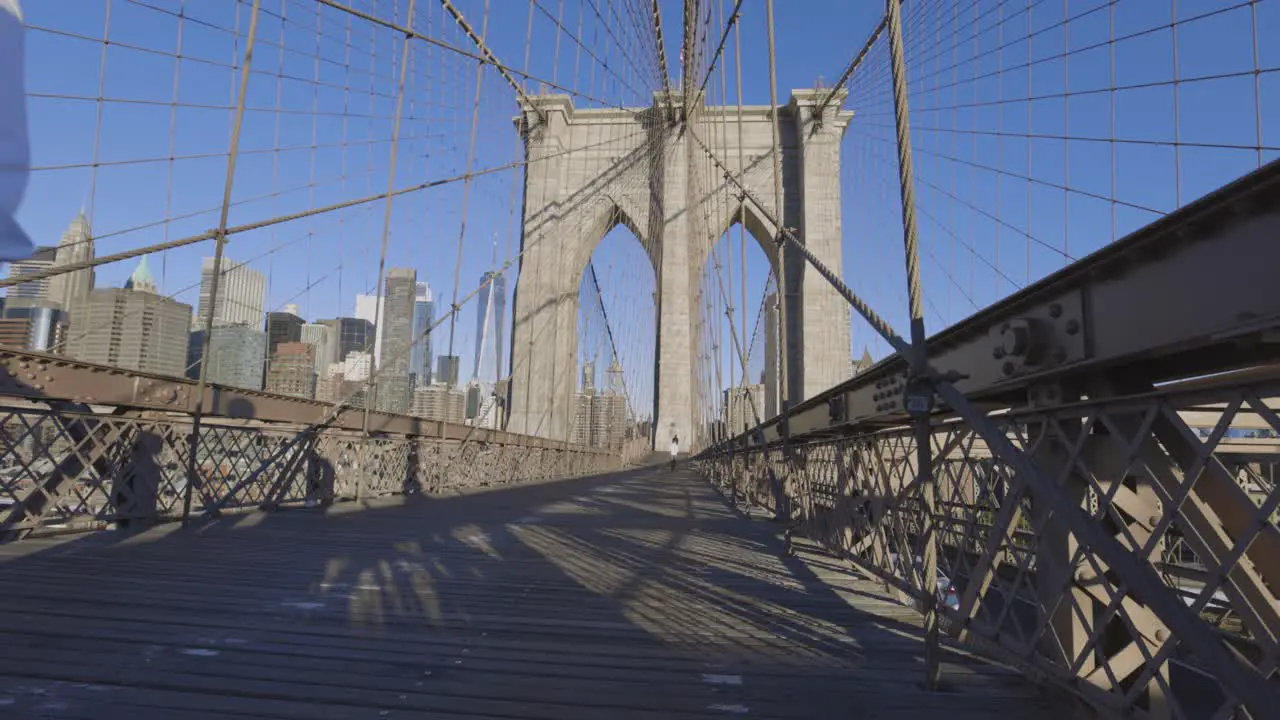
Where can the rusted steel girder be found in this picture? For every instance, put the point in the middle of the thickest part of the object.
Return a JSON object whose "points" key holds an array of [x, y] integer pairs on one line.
{"points": [[43, 377]]}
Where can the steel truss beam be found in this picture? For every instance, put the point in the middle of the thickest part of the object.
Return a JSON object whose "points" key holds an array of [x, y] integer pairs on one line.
{"points": [[43, 377], [66, 467], [1191, 294], [1032, 588]]}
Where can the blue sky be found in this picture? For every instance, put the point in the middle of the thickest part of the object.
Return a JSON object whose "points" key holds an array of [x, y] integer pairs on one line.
{"points": [[1002, 198]]}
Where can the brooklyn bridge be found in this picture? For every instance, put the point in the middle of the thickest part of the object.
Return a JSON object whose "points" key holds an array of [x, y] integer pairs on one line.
{"points": [[639, 359]]}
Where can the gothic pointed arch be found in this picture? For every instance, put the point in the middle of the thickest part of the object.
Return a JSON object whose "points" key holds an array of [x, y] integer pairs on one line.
{"points": [[753, 221], [604, 215], [590, 170]]}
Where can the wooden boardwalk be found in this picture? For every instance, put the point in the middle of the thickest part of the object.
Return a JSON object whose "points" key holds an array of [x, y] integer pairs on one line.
{"points": [[639, 595]]}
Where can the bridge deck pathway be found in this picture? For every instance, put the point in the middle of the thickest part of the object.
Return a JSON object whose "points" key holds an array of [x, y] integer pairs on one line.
{"points": [[637, 595]]}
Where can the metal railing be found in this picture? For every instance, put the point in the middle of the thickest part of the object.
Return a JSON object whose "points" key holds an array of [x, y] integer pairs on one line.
{"points": [[86, 447], [1015, 581]]}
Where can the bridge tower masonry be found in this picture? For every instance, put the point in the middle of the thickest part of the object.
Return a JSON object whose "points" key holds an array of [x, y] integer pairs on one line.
{"points": [[590, 170]]}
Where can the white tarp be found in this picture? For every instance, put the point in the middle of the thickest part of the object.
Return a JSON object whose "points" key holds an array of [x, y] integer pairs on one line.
{"points": [[15, 154]]}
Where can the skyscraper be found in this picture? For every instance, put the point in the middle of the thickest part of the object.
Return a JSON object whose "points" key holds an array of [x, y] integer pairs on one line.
{"points": [[76, 245], [396, 340], [447, 370], [324, 338], [368, 308], [282, 327], [613, 379], [235, 355], [771, 364], [741, 406], [352, 335], [600, 418], [424, 313], [133, 329], [291, 370], [43, 259], [33, 324], [242, 293], [32, 320], [491, 317], [439, 402]]}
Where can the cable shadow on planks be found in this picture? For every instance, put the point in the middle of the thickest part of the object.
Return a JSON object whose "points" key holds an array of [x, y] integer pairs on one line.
{"points": [[638, 594]]}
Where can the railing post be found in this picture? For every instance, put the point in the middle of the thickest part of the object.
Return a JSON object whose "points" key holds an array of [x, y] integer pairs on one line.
{"points": [[919, 391], [219, 245]]}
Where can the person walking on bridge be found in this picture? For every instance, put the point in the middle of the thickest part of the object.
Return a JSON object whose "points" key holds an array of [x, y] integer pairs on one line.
{"points": [[675, 450]]}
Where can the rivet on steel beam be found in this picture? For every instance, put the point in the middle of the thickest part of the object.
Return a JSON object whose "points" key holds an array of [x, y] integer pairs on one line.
{"points": [[1073, 326], [1153, 520], [1007, 368], [1055, 310], [1161, 634]]}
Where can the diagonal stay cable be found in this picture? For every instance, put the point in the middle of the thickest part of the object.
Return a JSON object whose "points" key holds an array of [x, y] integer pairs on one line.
{"points": [[259, 224]]}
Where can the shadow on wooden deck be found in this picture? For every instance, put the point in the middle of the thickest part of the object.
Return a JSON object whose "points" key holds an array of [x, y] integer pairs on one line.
{"points": [[635, 595]]}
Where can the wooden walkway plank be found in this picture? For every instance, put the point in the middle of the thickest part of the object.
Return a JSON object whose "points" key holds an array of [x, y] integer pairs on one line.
{"points": [[638, 595]]}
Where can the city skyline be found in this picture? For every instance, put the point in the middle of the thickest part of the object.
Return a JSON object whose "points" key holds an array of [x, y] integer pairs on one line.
{"points": [[242, 292], [134, 326], [244, 346]]}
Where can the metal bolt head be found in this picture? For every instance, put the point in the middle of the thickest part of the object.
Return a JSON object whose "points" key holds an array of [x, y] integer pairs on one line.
{"points": [[1015, 340], [1055, 310], [997, 352], [1007, 368], [1073, 326]]}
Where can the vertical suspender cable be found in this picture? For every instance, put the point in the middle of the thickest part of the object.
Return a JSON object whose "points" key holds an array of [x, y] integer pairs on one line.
{"points": [[923, 427], [784, 364], [220, 242], [466, 184], [371, 388]]}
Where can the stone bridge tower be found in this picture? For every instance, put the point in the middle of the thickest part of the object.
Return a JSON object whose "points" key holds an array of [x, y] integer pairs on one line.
{"points": [[591, 170]]}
